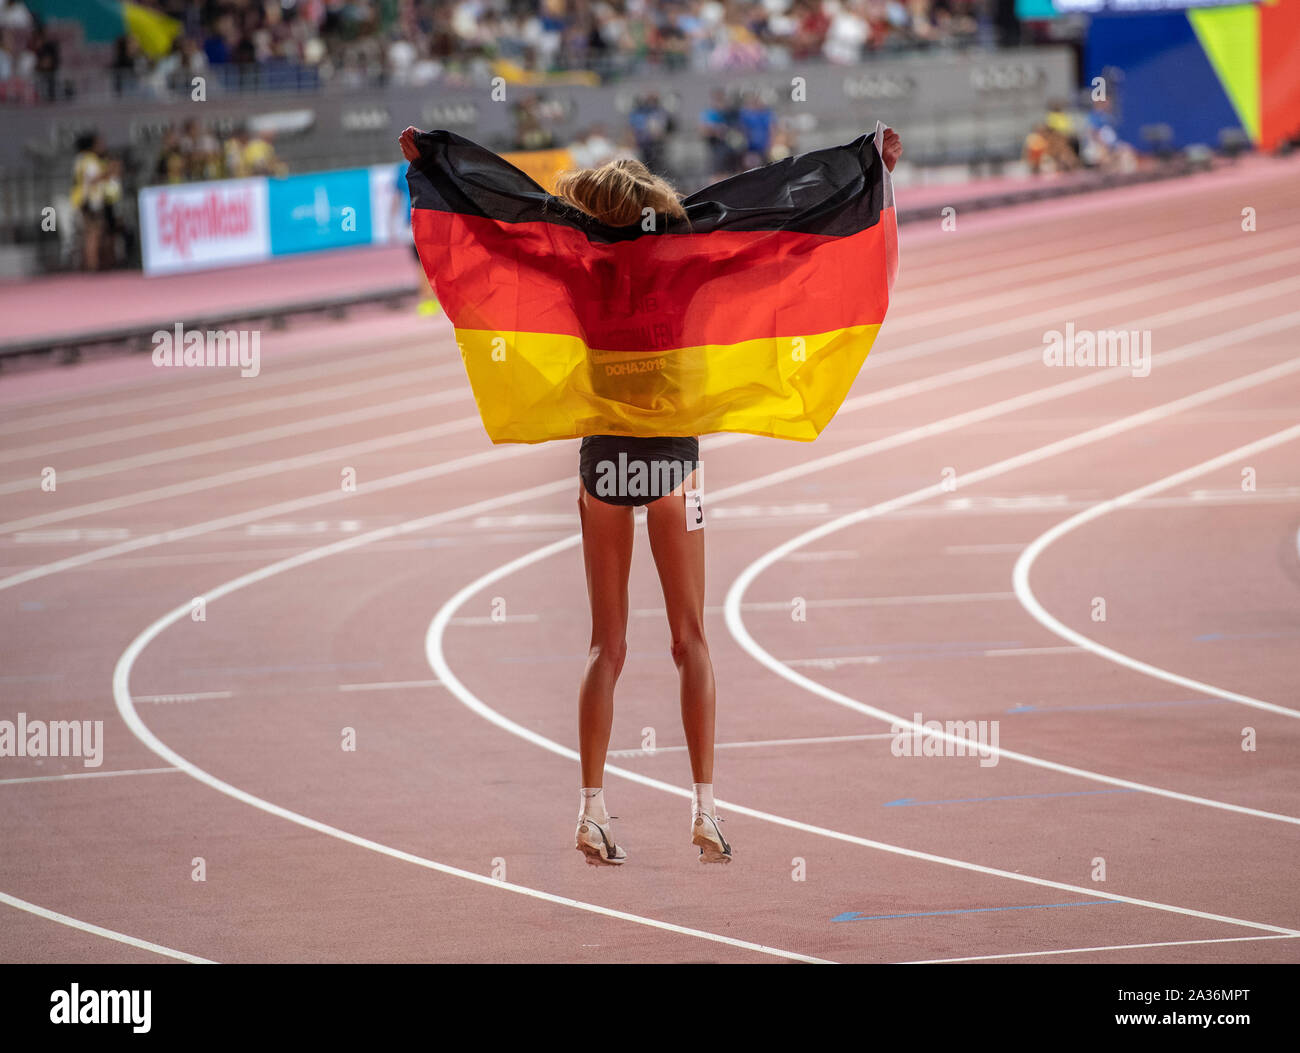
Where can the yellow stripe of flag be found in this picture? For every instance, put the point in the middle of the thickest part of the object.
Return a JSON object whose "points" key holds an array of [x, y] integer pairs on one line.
{"points": [[547, 385]]}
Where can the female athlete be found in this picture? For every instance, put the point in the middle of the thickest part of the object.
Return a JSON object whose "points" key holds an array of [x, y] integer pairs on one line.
{"points": [[616, 475]]}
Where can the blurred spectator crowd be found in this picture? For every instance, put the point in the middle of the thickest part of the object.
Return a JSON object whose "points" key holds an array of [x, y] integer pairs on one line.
{"points": [[104, 182], [195, 151], [738, 132], [299, 44], [1068, 139]]}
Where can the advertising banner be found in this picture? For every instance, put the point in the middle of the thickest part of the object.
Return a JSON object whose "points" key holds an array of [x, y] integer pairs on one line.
{"points": [[319, 210], [200, 225], [390, 203]]}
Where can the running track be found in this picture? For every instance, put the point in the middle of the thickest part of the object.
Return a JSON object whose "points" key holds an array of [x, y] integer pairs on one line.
{"points": [[446, 835]]}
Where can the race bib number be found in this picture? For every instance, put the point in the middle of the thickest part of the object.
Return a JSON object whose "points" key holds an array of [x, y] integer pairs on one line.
{"points": [[694, 510]]}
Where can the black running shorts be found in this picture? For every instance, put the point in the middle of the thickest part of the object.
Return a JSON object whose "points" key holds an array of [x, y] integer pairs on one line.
{"points": [[630, 471]]}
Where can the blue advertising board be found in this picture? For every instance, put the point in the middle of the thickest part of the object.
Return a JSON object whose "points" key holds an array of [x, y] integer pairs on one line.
{"points": [[1163, 75], [322, 210]]}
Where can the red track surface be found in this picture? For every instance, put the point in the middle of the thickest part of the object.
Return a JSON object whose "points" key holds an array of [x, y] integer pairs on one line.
{"points": [[320, 603]]}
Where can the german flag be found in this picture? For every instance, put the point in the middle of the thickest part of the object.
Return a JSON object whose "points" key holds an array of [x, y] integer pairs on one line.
{"points": [[754, 313]]}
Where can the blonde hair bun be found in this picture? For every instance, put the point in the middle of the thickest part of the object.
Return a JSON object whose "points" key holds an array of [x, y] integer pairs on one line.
{"points": [[618, 192]]}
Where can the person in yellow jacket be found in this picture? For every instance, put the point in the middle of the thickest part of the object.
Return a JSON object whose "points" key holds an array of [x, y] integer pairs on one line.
{"points": [[259, 157], [89, 172]]}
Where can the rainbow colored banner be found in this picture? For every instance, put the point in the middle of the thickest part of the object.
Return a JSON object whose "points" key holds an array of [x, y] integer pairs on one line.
{"points": [[752, 314], [1203, 70], [106, 20]]}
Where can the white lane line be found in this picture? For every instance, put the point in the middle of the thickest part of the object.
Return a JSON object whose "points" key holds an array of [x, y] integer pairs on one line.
{"points": [[919, 656], [1217, 305], [1010, 306], [1025, 593], [817, 740], [1018, 321], [889, 601], [1235, 496], [388, 685], [189, 389], [164, 453], [845, 601], [96, 930], [209, 526], [1013, 303], [934, 247], [779, 605], [190, 696], [126, 708], [736, 594], [1208, 308], [1013, 652], [247, 408], [1098, 261], [832, 663], [1092, 950], [1198, 499], [68, 535], [242, 475], [829, 555], [438, 662], [166, 382], [86, 775], [220, 556], [487, 619]]}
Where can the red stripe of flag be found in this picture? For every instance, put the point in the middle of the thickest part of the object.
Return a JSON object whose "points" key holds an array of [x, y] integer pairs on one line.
{"points": [[655, 292]]}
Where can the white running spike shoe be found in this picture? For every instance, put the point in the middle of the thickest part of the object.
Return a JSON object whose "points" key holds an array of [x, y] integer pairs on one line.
{"points": [[705, 833], [596, 842]]}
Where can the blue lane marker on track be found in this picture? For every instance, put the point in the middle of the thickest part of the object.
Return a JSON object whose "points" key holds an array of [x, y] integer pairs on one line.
{"points": [[853, 915], [905, 802]]}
